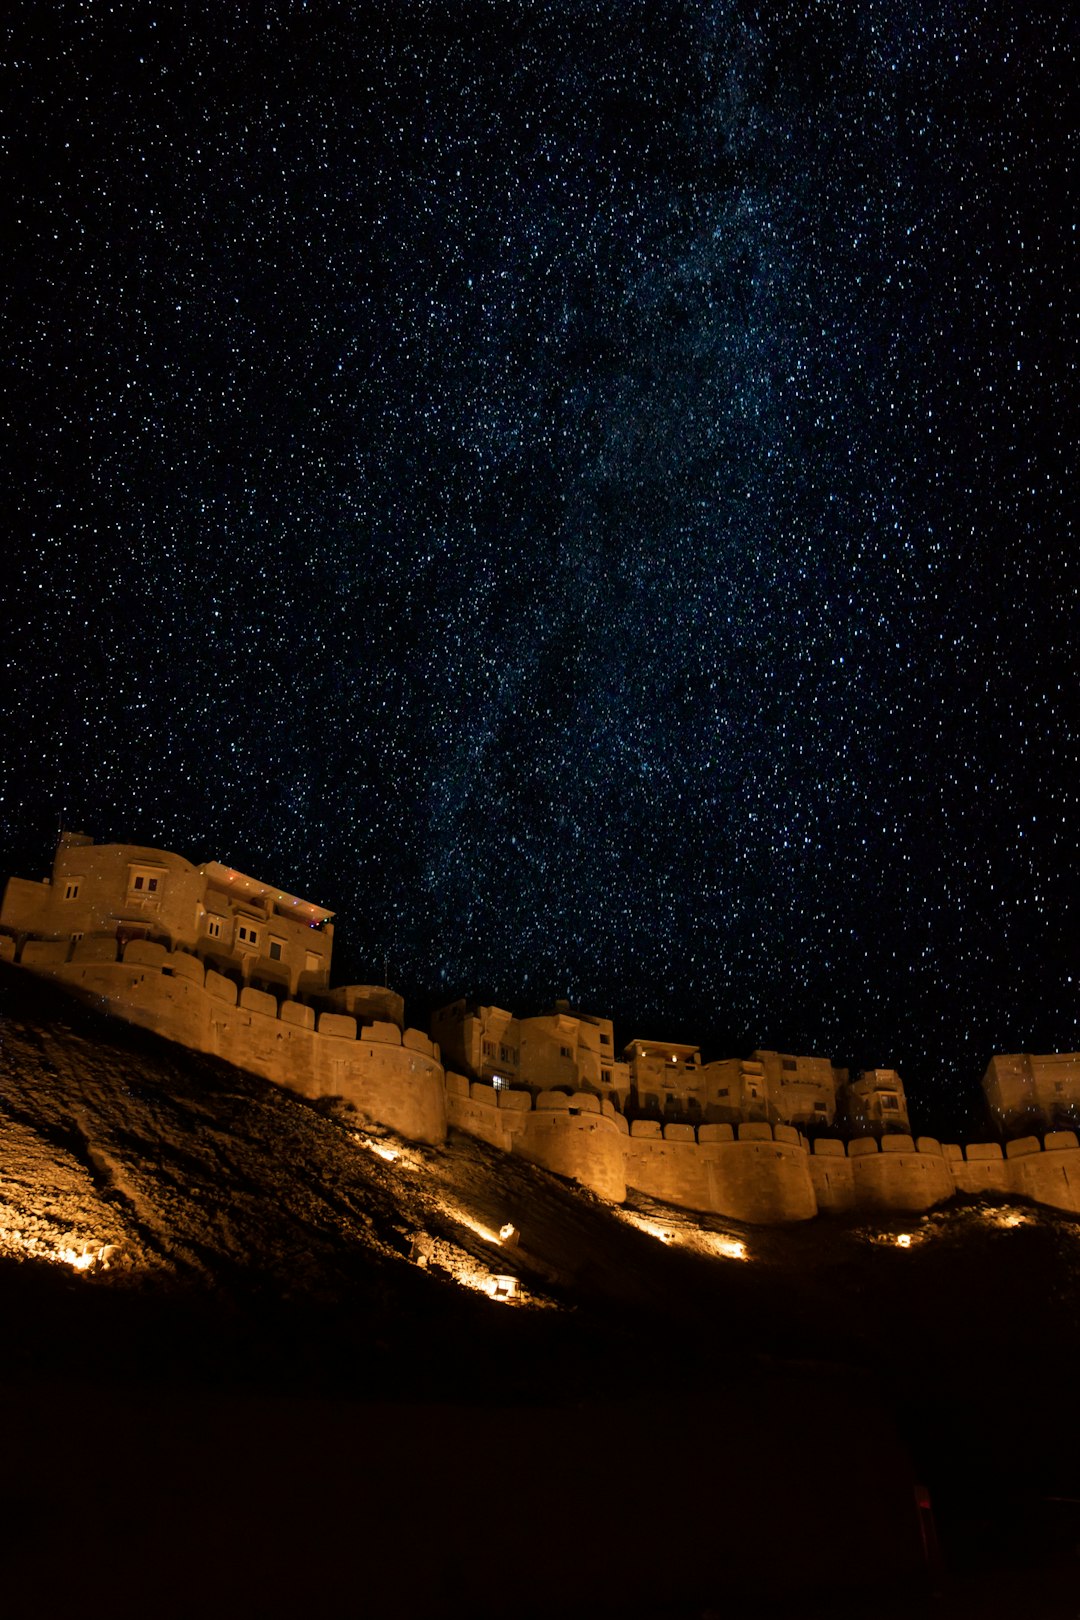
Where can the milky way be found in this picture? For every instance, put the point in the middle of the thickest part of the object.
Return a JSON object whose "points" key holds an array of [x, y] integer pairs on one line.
{"points": [[581, 489]]}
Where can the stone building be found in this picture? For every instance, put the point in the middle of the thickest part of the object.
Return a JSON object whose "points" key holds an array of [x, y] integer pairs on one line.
{"points": [[799, 1091], [561, 1050], [235, 923], [480, 1042], [671, 1080], [1024, 1090], [875, 1103], [666, 1078], [735, 1090]]}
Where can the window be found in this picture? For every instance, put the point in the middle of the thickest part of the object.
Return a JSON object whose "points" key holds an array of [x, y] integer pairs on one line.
{"points": [[505, 1055], [213, 927], [499, 1083], [565, 1052], [889, 1103], [246, 934], [75, 938], [489, 1049], [820, 1108], [276, 946], [605, 1076], [145, 882], [605, 1040], [789, 1065], [313, 963], [71, 889], [722, 1092]]}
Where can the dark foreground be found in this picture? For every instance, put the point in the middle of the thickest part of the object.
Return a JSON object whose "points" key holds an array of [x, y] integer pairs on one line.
{"points": [[266, 1407]]}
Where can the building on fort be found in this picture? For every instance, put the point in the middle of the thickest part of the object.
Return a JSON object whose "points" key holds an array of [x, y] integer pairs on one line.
{"points": [[561, 1050], [568, 1050], [235, 923], [665, 1080], [800, 1091], [1026, 1091], [876, 1104]]}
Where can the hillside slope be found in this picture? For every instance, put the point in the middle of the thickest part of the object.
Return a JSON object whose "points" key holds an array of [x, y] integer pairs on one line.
{"points": [[178, 1234]]}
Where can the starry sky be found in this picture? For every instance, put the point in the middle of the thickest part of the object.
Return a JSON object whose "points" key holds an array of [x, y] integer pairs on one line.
{"points": [[581, 488]]}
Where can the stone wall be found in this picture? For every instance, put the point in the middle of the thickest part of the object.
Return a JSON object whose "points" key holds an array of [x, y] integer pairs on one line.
{"points": [[757, 1173], [575, 1134], [395, 1078], [752, 1172]]}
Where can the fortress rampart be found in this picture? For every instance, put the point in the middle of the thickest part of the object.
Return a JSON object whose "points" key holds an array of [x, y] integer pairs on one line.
{"points": [[394, 1076], [753, 1172]]}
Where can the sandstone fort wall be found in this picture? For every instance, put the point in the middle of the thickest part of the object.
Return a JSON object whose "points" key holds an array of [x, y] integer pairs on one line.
{"points": [[756, 1173], [395, 1078]]}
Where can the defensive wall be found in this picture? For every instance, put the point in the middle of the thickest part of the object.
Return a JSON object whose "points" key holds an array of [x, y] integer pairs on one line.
{"points": [[762, 1174], [577, 1134], [753, 1172], [395, 1076]]}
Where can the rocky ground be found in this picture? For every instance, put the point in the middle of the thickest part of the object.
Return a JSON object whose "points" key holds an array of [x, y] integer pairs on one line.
{"points": [[263, 1358]]}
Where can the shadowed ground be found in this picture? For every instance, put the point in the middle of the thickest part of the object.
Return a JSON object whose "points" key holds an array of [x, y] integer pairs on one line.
{"points": [[251, 1367]]}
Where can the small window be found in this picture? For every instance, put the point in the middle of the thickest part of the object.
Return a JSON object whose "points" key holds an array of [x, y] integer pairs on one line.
{"points": [[313, 963], [213, 927], [789, 1065], [820, 1108], [504, 1054], [605, 1075], [565, 1052], [499, 1083], [722, 1092], [75, 938], [247, 935], [275, 950], [889, 1103], [605, 1040], [71, 889], [143, 880], [489, 1049]]}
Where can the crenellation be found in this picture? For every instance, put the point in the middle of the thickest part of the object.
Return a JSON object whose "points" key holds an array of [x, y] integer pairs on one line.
{"points": [[724, 1137]]}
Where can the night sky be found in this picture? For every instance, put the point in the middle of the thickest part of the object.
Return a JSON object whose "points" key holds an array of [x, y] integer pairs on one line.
{"points": [[582, 489]]}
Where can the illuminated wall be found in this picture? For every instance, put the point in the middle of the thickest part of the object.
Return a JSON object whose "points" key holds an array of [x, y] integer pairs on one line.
{"points": [[395, 1077], [753, 1172]]}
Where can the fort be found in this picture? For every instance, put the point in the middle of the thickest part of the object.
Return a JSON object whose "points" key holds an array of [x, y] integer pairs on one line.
{"points": [[227, 965]]}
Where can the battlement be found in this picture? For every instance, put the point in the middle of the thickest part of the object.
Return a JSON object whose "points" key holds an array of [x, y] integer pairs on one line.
{"points": [[395, 1076], [547, 1088]]}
